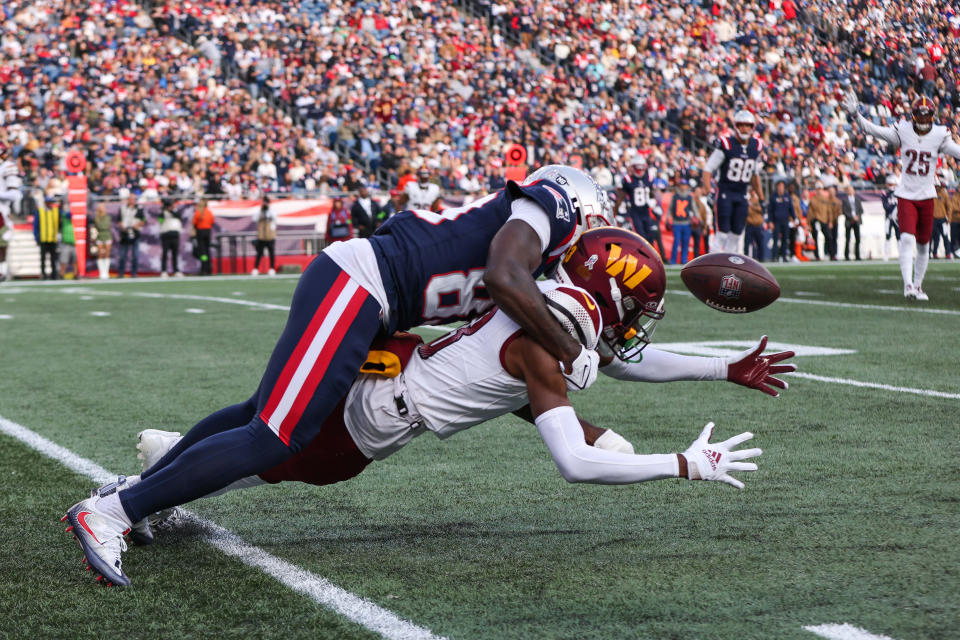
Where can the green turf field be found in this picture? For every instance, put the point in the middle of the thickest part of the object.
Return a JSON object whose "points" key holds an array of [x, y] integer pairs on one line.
{"points": [[852, 517]]}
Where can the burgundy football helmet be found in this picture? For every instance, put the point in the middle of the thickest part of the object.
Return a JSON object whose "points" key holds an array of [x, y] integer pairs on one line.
{"points": [[625, 275], [923, 112]]}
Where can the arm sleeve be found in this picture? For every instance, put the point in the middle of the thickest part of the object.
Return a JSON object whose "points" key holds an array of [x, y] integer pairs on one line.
{"points": [[663, 366], [579, 462], [884, 133], [950, 147], [714, 161], [534, 215]]}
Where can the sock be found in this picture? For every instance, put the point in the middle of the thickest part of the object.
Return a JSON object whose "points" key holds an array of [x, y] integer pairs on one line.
{"points": [[112, 506], [920, 266], [234, 416], [733, 242], [209, 465], [719, 244], [907, 244]]}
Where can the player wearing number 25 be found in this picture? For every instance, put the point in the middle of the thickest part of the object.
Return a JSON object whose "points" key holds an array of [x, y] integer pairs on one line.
{"points": [[420, 267], [737, 159], [920, 142]]}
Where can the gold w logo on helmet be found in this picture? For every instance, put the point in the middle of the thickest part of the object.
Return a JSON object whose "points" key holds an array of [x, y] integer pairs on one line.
{"points": [[627, 264]]}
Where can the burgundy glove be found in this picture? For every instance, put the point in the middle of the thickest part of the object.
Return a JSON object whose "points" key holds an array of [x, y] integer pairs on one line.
{"points": [[756, 371]]}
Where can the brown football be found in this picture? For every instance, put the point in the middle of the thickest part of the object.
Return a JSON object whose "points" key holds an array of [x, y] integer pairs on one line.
{"points": [[730, 282]]}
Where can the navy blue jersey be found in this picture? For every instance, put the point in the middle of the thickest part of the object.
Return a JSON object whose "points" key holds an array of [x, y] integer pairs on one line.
{"points": [[432, 264], [740, 163], [889, 204], [639, 192]]}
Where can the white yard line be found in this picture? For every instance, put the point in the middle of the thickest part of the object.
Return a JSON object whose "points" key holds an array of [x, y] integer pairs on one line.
{"points": [[317, 588], [844, 632], [849, 305], [876, 385]]}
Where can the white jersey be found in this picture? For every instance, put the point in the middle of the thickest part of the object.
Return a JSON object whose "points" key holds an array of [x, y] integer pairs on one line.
{"points": [[421, 197], [10, 183], [918, 155], [451, 384]]}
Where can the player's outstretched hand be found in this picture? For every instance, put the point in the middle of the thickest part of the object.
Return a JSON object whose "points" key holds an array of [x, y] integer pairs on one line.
{"points": [[583, 370], [754, 370], [706, 461], [850, 102]]}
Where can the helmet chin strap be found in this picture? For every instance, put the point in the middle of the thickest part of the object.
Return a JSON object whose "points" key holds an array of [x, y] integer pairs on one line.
{"points": [[617, 297]]}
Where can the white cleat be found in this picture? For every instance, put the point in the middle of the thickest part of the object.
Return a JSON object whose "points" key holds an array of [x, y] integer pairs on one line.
{"points": [[100, 536], [272, 272], [920, 295], [255, 272], [152, 445], [164, 274], [909, 292]]}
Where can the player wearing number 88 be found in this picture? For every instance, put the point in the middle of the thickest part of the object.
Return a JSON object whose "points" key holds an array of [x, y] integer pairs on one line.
{"points": [[920, 142], [737, 158], [420, 266]]}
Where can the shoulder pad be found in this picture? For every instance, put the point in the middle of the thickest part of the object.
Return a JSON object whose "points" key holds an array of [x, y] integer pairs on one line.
{"points": [[722, 143], [552, 198]]}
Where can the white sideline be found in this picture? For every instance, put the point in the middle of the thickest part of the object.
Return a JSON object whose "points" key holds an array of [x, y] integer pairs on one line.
{"points": [[848, 305], [317, 588], [844, 632], [876, 385]]}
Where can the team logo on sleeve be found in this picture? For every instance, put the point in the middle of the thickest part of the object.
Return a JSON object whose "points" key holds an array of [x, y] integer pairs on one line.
{"points": [[730, 286], [563, 213]]}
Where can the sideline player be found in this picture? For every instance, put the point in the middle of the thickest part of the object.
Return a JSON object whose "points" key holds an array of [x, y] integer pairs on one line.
{"points": [[738, 159], [422, 193], [638, 190], [419, 268], [435, 392], [889, 201], [920, 142], [10, 195]]}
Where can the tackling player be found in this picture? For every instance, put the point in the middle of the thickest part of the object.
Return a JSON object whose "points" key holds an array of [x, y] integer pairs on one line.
{"points": [[420, 267], [737, 157], [920, 142], [412, 388]]}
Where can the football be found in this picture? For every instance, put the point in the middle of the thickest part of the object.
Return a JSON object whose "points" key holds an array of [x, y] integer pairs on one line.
{"points": [[730, 282]]}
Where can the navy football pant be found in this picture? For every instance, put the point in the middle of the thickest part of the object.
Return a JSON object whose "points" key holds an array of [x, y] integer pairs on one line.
{"points": [[731, 213], [331, 324]]}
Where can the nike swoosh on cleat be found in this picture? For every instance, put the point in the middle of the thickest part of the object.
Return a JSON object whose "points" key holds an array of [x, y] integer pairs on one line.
{"points": [[82, 520]]}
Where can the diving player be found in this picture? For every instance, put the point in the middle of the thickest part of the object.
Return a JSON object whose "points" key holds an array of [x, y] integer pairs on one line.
{"points": [[431, 390], [738, 159], [419, 268], [920, 142]]}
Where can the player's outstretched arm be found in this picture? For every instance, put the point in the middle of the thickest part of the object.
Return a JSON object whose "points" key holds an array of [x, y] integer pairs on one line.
{"points": [[852, 104], [750, 368], [514, 256], [576, 461]]}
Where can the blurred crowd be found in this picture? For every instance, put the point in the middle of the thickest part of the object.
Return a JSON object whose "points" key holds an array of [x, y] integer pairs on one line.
{"points": [[238, 98]]}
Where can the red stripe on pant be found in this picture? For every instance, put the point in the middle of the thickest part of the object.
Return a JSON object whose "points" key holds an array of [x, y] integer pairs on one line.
{"points": [[303, 344], [319, 368]]}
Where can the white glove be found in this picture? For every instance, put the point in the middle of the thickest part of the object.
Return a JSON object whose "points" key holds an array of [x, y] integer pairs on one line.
{"points": [[583, 372], [610, 440], [851, 103], [707, 461]]}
